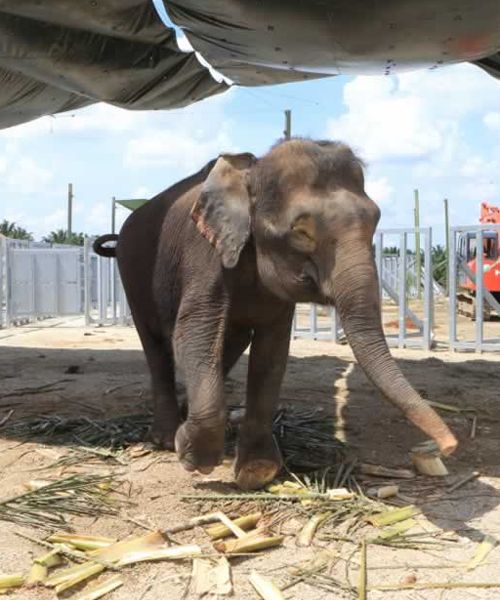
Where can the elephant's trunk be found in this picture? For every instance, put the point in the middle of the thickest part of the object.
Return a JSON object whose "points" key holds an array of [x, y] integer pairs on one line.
{"points": [[354, 286]]}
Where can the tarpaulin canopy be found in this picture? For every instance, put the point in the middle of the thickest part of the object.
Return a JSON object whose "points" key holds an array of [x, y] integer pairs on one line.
{"points": [[284, 40], [58, 55]]}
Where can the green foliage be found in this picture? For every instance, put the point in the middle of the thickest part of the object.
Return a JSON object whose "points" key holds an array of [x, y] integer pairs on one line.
{"points": [[439, 257], [11, 230], [60, 236]]}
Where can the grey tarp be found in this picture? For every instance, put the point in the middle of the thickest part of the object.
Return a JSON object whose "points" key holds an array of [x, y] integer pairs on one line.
{"points": [[59, 55], [255, 42]]}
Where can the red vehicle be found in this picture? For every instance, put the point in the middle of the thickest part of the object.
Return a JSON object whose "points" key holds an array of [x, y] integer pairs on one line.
{"points": [[491, 262]]}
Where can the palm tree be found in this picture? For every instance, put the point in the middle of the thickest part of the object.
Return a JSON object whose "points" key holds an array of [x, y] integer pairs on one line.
{"points": [[11, 230], [60, 236]]}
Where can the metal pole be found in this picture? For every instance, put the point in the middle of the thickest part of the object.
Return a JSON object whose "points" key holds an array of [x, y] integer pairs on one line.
{"points": [[70, 210], [417, 243], [428, 300], [288, 124], [113, 215], [402, 290], [479, 290], [452, 290], [447, 238]]}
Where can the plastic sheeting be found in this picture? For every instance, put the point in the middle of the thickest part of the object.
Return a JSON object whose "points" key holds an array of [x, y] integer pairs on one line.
{"points": [[255, 42], [60, 55]]}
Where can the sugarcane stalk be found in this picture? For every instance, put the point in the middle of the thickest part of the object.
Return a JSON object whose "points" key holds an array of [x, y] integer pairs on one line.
{"points": [[265, 587], [362, 573], [11, 581], [307, 533], [245, 523], [98, 591], [81, 542], [37, 574], [50, 559], [484, 548], [434, 586], [249, 543], [393, 516]]}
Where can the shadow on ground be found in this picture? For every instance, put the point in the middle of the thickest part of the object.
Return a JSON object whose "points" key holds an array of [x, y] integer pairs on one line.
{"points": [[101, 384]]}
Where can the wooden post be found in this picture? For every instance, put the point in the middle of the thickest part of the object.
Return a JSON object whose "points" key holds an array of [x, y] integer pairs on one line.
{"points": [[418, 265], [447, 238], [70, 211], [288, 124], [113, 215]]}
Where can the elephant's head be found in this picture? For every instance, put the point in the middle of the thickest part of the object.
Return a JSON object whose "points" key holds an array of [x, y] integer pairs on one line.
{"points": [[305, 209]]}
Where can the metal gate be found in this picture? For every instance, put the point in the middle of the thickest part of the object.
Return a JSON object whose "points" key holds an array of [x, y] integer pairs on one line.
{"points": [[39, 281], [458, 271]]}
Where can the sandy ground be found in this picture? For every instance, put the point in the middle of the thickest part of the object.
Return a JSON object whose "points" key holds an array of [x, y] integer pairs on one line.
{"points": [[112, 379]]}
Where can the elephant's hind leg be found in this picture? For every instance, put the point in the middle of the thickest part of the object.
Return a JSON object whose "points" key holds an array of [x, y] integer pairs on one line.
{"points": [[166, 415]]}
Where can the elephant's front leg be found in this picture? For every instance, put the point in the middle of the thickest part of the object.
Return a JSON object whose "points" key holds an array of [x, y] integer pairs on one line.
{"points": [[198, 346], [258, 458]]}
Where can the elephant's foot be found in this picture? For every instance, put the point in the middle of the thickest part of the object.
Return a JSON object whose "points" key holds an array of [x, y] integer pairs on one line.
{"points": [[163, 436], [257, 473], [200, 448], [257, 463]]}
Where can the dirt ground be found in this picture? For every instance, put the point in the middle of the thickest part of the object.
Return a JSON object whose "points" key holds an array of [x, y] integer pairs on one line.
{"points": [[112, 379]]}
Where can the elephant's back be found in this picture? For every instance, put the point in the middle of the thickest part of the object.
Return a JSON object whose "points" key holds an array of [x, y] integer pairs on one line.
{"points": [[144, 233]]}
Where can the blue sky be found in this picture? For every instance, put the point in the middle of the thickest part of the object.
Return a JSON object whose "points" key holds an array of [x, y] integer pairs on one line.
{"points": [[438, 131]]}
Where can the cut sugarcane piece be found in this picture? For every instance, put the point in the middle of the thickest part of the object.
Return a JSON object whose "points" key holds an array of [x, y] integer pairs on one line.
{"points": [[265, 587], [11, 581], [99, 590], [211, 579], [220, 530], [170, 553], [386, 491], [68, 578], [427, 461], [307, 533], [37, 574], [482, 551], [82, 542], [251, 542], [395, 531], [50, 559], [395, 515]]}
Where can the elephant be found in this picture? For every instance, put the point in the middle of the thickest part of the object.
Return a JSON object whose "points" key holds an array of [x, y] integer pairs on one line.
{"points": [[217, 262]]}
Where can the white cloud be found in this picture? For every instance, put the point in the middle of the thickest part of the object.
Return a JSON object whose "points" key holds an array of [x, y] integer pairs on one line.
{"points": [[379, 190], [143, 191], [175, 149], [492, 121], [25, 176], [414, 115]]}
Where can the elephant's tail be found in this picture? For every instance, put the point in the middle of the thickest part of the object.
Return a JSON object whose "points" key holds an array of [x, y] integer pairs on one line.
{"points": [[101, 249]]}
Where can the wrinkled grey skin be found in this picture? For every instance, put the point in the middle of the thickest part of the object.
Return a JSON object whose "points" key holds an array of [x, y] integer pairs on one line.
{"points": [[218, 261]]}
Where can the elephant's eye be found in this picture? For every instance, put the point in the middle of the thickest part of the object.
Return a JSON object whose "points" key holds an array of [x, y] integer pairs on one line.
{"points": [[303, 232]]}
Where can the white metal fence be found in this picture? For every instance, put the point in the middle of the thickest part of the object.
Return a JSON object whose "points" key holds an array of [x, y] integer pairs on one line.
{"points": [[398, 281], [105, 300], [39, 281]]}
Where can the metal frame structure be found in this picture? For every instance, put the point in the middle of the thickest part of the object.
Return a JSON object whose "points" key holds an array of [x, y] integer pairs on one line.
{"points": [[105, 302], [457, 267]]}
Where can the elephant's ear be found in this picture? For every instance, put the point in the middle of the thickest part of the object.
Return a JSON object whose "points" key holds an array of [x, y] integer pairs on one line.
{"points": [[222, 211]]}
